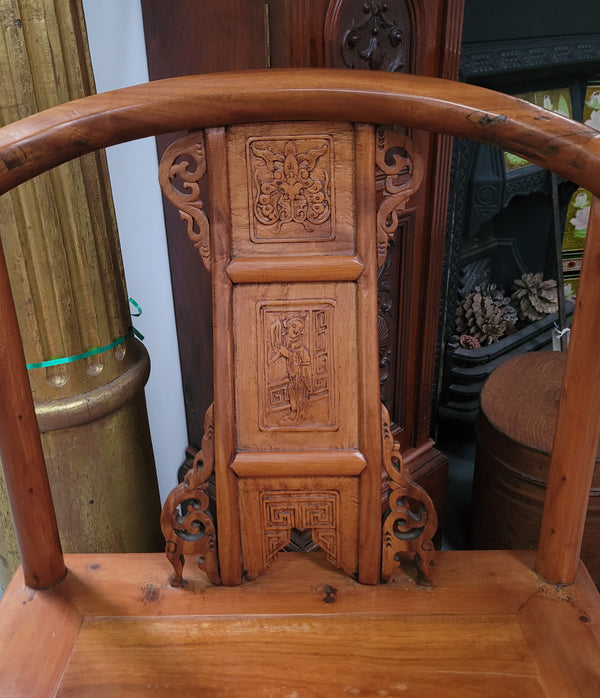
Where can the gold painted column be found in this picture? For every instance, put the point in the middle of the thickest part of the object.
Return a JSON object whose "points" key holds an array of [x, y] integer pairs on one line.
{"points": [[61, 242]]}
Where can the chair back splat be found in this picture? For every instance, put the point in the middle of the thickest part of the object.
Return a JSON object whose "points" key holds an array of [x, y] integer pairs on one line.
{"points": [[296, 423], [276, 180]]}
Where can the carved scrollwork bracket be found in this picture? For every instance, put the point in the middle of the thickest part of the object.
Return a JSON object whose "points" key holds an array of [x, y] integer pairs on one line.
{"points": [[411, 519], [186, 523], [181, 168], [401, 165]]}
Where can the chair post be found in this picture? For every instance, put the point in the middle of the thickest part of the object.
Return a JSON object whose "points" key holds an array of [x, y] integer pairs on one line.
{"points": [[577, 428], [22, 456]]}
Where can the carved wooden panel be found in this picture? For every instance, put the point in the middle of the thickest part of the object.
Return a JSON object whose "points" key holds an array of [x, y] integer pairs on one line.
{"points": [[297, 367], [280, 509], [293, 245], [291, 194], [298, 391], [417, 36], [291, 186]]}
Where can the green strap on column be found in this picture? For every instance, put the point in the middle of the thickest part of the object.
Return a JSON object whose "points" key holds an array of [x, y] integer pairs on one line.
{"points": [[94, 350]]}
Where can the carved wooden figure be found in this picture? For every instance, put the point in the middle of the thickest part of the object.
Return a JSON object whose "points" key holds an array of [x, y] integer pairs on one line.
{"points": [[293, 246]]}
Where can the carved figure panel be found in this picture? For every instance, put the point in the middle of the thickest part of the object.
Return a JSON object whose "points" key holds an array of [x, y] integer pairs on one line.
{"points": [[291, 188], [296, 366], [297, 362]]}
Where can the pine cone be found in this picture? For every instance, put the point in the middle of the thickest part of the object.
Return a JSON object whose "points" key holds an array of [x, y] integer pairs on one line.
{"points": [[478, 316], [468, 342], [534, 298], [502, 301]]}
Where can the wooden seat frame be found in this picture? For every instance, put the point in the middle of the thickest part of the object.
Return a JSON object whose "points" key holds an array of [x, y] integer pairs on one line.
{"points": [[501, 622]]}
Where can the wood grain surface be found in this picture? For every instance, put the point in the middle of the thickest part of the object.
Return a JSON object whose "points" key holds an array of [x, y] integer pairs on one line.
{"points": [[489, 625]]}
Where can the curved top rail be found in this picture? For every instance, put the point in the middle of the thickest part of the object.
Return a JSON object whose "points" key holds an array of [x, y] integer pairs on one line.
{"points": [[61, 133]]}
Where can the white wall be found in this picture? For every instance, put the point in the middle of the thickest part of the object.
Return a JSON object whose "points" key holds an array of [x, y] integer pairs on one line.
{"points": [[118, 54]]}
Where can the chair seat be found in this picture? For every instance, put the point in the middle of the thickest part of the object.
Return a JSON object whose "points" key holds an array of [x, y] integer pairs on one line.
{"points": [[489, 627]]}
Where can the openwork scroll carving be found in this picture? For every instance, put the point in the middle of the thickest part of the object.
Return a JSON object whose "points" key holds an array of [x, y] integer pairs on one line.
{"points": [[291, 187], [181, 168], [411, 519], [287, 511], [402, 170], [186, 523]]}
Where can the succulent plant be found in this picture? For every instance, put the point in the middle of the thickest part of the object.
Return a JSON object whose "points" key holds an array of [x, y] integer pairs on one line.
{"points": [[534, 298]]}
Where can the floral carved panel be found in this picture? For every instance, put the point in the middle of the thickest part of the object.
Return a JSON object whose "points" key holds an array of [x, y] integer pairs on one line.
{"points": [[291, 192], [292, 189]]}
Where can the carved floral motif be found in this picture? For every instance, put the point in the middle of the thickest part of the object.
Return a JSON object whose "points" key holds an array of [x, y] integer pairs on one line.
{"points": [[376, 40], [291, 192], [186, 523], [402, 167], [411, 520], [181, 167]]}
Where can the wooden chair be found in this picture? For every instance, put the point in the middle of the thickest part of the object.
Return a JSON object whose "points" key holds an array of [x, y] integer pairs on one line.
{"points": [[296, 436]]}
